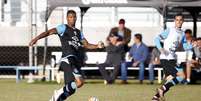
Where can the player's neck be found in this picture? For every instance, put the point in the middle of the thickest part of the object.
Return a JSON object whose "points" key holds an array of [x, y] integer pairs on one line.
{"points": [[72, 26]]}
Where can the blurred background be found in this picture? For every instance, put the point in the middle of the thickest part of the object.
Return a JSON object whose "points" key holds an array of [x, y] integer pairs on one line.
{"points": [[21, 20]]}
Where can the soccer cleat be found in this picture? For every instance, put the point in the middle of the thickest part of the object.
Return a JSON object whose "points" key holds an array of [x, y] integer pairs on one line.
{"points": [[161, 94], [56, 95]]}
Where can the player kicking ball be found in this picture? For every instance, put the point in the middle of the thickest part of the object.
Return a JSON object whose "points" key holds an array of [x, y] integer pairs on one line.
{"points": [[73, 54], [173, 38]]}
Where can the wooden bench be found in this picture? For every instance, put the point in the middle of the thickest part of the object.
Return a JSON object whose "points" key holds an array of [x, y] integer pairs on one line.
{"points": [[98, 57]]}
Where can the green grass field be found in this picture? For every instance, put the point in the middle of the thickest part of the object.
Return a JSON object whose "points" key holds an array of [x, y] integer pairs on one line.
{"points": [[10, 91]]}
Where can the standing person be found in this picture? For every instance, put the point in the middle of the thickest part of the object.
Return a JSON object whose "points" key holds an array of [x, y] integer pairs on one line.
{"points": [[115, 51], [173, 38], [155, 60], [73, 44], [138, 53], [125, 34]]}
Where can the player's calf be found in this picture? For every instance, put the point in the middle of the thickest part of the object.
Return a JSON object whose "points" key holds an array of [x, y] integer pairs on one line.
{"points": [[165, 87], [68, 90], [64, 92]]}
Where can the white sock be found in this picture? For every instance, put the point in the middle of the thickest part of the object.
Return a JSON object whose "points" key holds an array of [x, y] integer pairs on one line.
{"points": [[188, 80]]}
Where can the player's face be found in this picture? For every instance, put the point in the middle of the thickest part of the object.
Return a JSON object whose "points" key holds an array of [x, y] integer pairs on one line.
{"points": [[178, 21], [199, 43], [71, 18], [194, 43], [136, 40], [188, 36], [121, 26]]}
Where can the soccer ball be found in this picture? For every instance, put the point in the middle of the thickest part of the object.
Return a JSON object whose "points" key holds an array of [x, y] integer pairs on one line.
{"points": [[93, 99]]}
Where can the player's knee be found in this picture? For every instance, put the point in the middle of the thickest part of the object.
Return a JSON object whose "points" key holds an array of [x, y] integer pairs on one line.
{"points": [[79, 83]]}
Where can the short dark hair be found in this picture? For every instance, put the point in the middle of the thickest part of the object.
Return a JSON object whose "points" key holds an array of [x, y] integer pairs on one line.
{"points": [[179, 14], [71, 12], [199, 38], [189, 31], [122, 21], [138, 36]]}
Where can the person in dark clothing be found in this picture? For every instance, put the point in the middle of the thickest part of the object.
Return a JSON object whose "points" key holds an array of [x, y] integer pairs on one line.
{"points": [[154, 61], [73, 43], [115, 51], [125, 34]]}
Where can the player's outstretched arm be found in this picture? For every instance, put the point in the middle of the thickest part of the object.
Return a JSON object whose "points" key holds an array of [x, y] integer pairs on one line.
{"points": [[42, 35], [92, 46]]}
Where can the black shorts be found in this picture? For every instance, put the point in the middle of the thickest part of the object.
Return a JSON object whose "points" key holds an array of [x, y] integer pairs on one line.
{"points": [[71, 68], [169, 67]]}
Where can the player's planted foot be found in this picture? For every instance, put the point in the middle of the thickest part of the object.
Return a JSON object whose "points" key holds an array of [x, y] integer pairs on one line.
{"points": [[56, 95]]}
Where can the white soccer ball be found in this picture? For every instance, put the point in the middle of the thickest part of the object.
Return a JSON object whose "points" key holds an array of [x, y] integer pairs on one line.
{"points": [[93, 99]]}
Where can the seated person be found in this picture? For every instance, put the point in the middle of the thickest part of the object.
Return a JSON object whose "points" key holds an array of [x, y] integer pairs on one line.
{"points": [[196, 61], [115, 51], [138, 53], [182, 60], [155, 60]]}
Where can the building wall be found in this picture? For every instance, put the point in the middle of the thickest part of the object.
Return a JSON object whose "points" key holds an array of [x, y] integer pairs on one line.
{"points": [[97, 22]]}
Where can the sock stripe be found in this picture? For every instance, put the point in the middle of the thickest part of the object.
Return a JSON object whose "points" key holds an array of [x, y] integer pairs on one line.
{"points": [[164, 88], [68, 89]]}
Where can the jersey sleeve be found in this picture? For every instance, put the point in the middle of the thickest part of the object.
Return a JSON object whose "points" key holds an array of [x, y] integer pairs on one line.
{"points": [[186, 45], [81, 36], [61, 29], [160, 37]]}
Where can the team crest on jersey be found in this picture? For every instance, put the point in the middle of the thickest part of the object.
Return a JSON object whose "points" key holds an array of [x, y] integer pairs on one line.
{"points": [[75, 42]]}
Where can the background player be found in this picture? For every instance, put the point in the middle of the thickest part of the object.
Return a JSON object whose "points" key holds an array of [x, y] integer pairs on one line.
{"points": [[173, 39]]}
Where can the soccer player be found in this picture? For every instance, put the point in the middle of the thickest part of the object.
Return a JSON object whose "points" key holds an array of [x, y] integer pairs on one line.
{"points": [[73, 44], [173, 38]]}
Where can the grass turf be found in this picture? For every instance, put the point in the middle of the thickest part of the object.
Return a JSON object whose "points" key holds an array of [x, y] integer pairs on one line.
{"points": [[10, 91]]}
